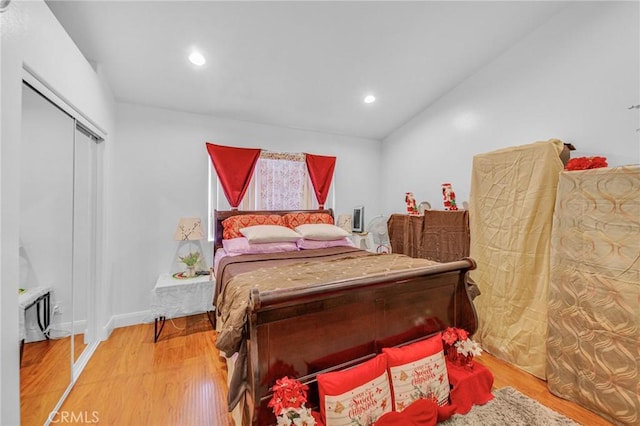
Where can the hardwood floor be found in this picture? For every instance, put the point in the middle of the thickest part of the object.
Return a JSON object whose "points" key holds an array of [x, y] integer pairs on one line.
{"points": [[45, 373], [181, 380]]}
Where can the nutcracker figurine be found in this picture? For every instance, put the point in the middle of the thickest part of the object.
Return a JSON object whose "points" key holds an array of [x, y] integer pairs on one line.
{"points": [[449, 197], [411, 203]]}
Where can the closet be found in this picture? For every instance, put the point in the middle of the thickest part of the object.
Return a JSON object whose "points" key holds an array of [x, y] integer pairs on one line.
{"points": [[60, 192]]}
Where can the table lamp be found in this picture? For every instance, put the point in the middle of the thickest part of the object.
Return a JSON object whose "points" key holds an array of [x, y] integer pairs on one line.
{"points": [[189, 229]]}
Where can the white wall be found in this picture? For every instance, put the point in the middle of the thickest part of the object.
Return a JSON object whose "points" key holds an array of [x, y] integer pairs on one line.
{"points": [[159, 175], [31, 37], [573, 78]]}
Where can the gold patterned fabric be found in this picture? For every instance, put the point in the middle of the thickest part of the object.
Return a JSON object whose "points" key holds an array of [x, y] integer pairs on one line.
{"points": [[594, 295], [513, 192]]}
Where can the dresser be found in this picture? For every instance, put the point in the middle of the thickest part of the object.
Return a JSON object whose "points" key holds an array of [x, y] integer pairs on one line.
{"points": [[438, 235]]}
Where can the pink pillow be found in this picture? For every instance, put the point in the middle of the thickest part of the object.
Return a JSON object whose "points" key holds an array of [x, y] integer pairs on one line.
{"points": [[241, 245], [304, 244], [359, 395], [418, 371]]}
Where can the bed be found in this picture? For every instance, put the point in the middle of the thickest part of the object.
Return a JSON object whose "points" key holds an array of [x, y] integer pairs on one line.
{"points": [[313, 311]]}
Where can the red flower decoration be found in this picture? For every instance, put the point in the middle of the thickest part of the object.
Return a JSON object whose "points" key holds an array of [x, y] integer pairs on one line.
{"points": [[450, 336], [287, 393], [584, 163], [462, 333]]}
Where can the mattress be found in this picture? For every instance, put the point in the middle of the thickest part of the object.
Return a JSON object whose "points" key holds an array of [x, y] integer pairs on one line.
{"points": [[594, 295], [513, 193]]}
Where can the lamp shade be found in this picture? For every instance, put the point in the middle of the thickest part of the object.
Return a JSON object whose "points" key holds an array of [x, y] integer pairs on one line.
{"points": [[189, 229]]}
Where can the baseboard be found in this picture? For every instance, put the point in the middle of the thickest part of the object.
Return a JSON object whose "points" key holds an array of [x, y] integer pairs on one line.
{"points": [[125, 320], [106, 331], [56, 330]]}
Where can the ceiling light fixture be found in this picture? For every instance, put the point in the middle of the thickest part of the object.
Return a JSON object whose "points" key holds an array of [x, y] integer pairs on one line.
{"points": [[196, 58], [369, 99], [4, 5]]}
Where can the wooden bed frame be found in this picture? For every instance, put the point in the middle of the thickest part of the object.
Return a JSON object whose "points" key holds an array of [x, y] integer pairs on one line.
{"points": [[302, 332]]}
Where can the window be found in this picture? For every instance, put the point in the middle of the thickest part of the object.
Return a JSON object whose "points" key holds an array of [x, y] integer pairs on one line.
{"points": [[280, 182], [267, 180]]}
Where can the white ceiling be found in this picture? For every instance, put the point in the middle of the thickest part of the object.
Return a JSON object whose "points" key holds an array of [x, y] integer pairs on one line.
{"points": [[302, 64]]}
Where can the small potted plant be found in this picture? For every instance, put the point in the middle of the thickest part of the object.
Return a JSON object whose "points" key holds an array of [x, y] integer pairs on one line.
{"points": [[191, 260]]}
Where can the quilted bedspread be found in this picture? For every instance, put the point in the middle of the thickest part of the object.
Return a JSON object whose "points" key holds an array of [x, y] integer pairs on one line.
{"points": [[234, 296]]}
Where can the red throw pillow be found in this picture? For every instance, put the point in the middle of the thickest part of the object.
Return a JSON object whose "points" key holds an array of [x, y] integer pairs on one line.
{"points": [[423, 412], [231, 226], [359, 395], [418, 371], [296, 219]]}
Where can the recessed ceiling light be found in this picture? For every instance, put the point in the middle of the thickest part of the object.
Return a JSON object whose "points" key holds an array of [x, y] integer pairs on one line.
{"points": [[196, 58], [369, 99]]}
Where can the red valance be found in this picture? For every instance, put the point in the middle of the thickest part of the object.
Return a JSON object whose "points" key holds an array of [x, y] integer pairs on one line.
{"points": [[234, 167], [321, 172]]}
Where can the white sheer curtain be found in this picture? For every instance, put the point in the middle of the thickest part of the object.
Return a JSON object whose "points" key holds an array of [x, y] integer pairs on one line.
{"points": [[280, 182]]}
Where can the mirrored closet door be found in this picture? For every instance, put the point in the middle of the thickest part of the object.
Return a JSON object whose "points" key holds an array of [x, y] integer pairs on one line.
{"points": [[85, 216], [58, 215]]}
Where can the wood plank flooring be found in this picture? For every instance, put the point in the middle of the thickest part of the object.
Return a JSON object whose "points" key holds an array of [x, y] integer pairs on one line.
{"points": [[45, 373], [181, 380]]}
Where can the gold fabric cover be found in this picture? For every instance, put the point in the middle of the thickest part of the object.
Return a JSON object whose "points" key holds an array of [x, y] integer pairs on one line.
{"points": [[594, 295], [513, 193]]}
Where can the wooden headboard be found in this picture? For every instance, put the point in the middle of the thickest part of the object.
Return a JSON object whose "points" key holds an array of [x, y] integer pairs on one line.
{"points": [[220, 215]]}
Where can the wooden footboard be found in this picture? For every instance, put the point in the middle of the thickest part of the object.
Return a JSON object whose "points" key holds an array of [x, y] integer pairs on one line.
{"points": [[302, 332]]}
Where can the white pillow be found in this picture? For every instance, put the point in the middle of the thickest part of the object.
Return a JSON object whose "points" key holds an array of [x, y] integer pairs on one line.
{"points": [[321, 232], [269, 234]]}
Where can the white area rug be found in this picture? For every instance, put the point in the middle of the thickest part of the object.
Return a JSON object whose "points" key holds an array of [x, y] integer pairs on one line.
{"points": [[510, 407]]}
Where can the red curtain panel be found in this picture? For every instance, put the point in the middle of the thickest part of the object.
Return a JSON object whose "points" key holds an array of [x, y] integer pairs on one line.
{"points": [[234, 167], [321, 172]]}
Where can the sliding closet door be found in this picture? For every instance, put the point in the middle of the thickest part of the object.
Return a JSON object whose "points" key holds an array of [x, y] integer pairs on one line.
{"points": [[46, 250], [84, 233]]}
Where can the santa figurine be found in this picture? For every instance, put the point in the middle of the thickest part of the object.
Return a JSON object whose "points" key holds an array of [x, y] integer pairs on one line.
{"points": [[449, 197], [411, 203]]}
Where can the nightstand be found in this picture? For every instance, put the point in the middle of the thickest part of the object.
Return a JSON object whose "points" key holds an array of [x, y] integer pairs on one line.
{"points": [[177, 297]]}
